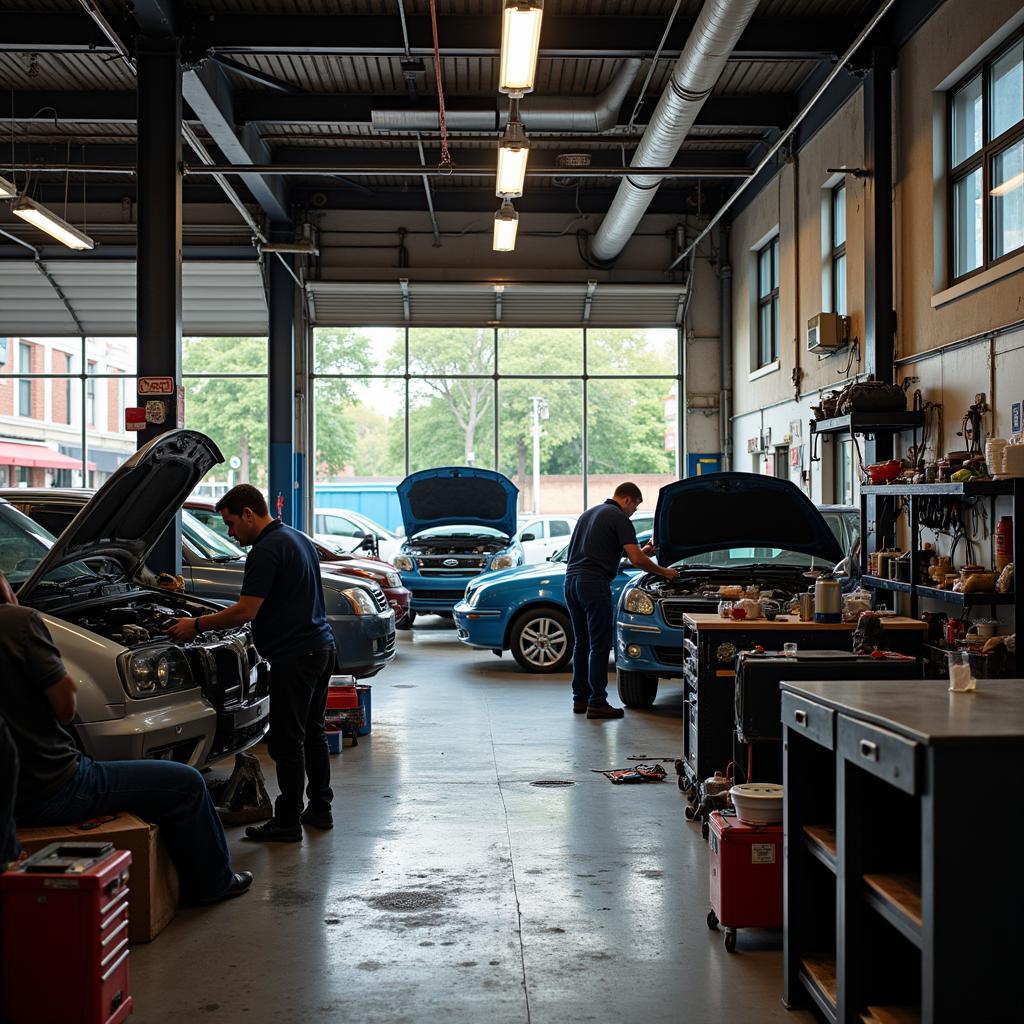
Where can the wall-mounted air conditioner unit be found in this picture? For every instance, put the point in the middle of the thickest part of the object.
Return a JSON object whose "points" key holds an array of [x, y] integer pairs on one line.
{"points": [[827, 331]]}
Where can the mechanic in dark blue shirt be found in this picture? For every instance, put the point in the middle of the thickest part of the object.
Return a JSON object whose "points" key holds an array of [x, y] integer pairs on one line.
{"points": [[601, 536], [283, 597]]}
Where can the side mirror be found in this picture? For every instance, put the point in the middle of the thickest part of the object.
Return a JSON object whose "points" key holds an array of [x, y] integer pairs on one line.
{"points": [[368, 543], [525, 537]]}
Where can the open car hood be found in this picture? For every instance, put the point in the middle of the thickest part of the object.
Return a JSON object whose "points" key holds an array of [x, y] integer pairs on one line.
{"points": [[458, 496], [126, 516], [739, 510]]}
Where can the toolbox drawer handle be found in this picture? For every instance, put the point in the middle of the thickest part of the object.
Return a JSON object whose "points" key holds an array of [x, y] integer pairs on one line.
{"points": [[114, 966], [869, 750], [110, 938], [110, 956], [800, 717], [123, 893]]}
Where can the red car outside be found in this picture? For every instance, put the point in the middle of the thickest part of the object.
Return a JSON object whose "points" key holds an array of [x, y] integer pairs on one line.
{"points": [[384, 574]]}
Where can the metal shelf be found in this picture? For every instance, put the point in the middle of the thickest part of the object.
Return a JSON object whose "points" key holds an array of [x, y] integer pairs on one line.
{"points": [[966, 600], [869, 423], [883, 584], [966, 489]]}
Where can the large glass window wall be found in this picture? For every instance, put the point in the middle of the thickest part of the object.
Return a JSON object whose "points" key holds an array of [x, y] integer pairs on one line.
{"points": [[565, 413]]}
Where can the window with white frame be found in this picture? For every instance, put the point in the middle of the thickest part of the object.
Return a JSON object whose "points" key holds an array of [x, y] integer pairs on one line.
{"points": [[986, 163], [837, 228], [768, 303]]}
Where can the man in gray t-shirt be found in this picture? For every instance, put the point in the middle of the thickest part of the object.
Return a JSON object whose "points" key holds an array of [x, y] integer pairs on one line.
{"points": [[57, 785]]}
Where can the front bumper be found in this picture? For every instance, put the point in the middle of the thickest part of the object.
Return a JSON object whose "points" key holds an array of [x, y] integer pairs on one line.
{"points": [[644, 643], [480, 627], [398, 601], [365, 643], [436, 595]]}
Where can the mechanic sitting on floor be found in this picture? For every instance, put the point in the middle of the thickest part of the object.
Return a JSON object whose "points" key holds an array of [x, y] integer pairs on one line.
{"points": [[601, 536], [59, 786], [283, 597]]}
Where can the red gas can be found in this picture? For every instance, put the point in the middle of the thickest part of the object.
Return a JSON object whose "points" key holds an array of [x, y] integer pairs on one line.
{"points": [[745, 875], [64, 936]]}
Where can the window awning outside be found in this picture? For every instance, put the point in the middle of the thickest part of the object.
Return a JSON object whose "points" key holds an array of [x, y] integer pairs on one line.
{"points": [[37, 456], [217, 298], [400, 303]]}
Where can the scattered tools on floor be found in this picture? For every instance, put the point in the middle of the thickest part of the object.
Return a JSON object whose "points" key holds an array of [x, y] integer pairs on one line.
{"points": [[242, 797], [647, 757], [641, 773]]}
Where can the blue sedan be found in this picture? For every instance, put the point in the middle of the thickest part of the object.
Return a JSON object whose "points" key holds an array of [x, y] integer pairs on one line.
{"points": [[523, 610]]}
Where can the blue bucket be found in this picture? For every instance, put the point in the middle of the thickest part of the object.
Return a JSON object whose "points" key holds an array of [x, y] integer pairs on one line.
{"points": [[363, 689]]}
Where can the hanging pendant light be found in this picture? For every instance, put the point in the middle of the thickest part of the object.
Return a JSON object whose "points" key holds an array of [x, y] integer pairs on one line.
{"points": [[520, 42], [513, 152], [506, 224], [39, 216], [7, 189]]}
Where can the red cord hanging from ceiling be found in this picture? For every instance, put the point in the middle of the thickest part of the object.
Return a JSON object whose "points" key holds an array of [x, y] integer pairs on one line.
{"points": [[446, 157]]}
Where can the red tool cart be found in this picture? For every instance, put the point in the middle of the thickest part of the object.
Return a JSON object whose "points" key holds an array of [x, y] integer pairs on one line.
{"points": [[64, 919], [745, 875]]}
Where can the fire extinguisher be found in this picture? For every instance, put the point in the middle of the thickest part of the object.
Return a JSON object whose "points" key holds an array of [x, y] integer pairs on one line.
{"points": [[280, 506]]}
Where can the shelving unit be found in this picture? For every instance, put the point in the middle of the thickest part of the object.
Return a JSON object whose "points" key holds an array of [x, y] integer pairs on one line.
{"points": [[885, 922], [869, 423], [990, 489]]}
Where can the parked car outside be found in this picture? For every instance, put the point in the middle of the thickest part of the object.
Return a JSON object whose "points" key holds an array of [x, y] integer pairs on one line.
{"points": [[140, 695], [542, 535], [385, 575], [357, 609], [719, 529], [523, 610], [460, 523], [342, 531]]}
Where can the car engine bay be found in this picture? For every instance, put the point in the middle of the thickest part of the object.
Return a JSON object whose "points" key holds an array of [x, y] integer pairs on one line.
{"points": [[704, 587], [456, 546], [142, 620]]}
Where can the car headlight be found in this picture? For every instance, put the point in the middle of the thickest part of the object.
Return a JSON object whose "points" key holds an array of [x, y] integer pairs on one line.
{"points": [[148, 673], [504, 562], [360, 600], [393, 579], [403, 563], [638, 602]]}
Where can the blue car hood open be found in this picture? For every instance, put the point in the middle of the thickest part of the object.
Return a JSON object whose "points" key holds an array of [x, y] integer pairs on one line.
{"points": [[739, 510], [458, 496]]}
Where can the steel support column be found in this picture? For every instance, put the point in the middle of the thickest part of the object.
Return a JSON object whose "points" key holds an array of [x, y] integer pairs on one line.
{"points": [[158, 267], [281, 385], [879, 315]]}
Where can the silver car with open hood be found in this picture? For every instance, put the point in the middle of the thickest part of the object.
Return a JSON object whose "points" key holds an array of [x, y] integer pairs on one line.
{"points": [[140, 695]]}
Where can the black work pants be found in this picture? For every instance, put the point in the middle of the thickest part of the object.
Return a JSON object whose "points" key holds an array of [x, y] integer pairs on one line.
{"points": [[298, 697]]}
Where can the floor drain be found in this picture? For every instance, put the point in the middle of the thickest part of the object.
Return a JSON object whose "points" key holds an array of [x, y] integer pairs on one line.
{"points": [[552, 783]]}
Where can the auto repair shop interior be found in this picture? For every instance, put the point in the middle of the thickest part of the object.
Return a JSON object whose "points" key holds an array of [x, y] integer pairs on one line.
{"points": [[435, 276]]}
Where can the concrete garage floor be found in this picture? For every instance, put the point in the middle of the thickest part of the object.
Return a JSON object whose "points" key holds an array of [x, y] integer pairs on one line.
{"points": [[451, 889]]}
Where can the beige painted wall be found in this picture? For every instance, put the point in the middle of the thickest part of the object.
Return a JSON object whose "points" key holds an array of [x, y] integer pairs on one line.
{"points": [[792, 203], [948, 45]]}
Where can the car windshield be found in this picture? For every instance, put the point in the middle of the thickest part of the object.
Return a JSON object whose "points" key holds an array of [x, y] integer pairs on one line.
{"points": [[373, 527], [215, 522], [460, 531], [24, 543], [762, 557], [207, 541]]}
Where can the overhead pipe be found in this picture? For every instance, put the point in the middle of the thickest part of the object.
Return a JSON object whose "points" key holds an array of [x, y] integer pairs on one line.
{"points": [[714, 36], [598, 113]]}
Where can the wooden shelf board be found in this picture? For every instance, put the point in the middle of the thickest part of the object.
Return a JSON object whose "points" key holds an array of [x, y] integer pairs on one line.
{"points": [[892, 1015], [821, 972], [824, 837], [902, 891]]}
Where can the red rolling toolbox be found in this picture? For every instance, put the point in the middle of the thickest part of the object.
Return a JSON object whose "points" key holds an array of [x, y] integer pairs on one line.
{"points": [[64, 936], [745, 875]]}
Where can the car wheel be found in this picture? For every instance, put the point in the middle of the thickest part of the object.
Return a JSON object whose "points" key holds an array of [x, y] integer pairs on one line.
{"points": [[636, 689], [541, 640], [406, 623]]}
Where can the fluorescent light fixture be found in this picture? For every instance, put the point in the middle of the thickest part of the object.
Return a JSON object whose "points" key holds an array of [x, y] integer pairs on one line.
{"points": [[39, 216], [513, 152], [7, 189], [506, 224], [520, 41], [1008, 186]]}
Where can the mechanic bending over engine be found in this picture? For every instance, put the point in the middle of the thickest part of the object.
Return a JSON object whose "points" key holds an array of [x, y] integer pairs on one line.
{"points": [[57, 785], [283, 597]]}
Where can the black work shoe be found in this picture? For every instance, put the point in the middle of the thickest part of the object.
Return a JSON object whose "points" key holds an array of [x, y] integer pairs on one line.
{"points": [[579, 707], [318, 819], [240, 883], [271, 832], [603, 711]]}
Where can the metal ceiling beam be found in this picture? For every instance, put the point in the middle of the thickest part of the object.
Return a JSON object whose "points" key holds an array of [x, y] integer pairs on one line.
{"points": [[208, 92], [367, 35], [156, 17], [767, 110], [478, 36]]}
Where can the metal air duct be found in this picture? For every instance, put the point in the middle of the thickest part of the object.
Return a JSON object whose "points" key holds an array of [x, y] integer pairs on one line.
{"points": [[539, 114], [714, 36]]}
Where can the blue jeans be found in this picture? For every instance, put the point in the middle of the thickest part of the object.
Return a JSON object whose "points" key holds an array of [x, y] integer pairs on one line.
{"points": [[590, 609], [173, 796]]}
